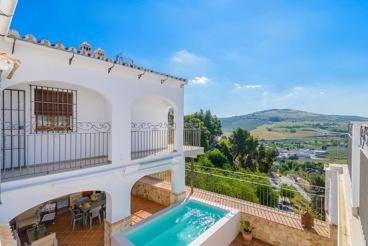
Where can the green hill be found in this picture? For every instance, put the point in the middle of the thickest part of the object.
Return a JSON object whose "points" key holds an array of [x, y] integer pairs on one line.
{"points": [[283, 119]]}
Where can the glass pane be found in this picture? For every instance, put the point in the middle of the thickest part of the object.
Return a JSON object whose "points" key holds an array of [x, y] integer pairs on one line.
{"points": [[43, 120], [62, 121]]}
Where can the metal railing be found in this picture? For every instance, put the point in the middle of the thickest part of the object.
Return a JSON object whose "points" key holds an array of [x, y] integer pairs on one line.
{"points": [[262, 192], [28, 152], [350, 149], [192, 136], [149, 139]]}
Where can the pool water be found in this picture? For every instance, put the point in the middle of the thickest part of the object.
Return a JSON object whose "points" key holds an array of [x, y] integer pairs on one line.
{"points": [[178, 227]]}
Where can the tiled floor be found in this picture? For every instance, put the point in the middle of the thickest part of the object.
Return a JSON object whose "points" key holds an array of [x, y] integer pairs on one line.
{"points": [[141, 209], [238, 241], [67, 237]]}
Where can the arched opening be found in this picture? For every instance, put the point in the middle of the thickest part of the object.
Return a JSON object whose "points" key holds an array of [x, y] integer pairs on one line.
{"points": [[70, 219], [50, 126], [152, 127], [150, 194]]}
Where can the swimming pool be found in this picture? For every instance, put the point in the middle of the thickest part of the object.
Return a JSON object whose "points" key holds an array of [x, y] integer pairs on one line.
{"points": [[190, 223], [179, 227]]}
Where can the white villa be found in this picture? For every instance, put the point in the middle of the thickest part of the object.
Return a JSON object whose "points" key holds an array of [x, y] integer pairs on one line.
{"points": [[74, 120], [75, 123]]}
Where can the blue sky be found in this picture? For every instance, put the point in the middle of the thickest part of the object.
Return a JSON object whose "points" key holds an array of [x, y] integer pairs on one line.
{"points": [[240, 56]]}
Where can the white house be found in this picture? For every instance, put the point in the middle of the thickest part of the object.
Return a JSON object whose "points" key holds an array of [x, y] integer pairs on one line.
{"points": [[74, 120]]}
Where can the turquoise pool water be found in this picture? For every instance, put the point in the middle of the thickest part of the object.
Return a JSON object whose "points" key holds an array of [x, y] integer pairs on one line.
{"points": [[178, 227]]}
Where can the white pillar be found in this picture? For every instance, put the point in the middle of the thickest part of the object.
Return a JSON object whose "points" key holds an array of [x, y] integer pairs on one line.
{"points": [[332, 193], [178, 177], [355, 167]]}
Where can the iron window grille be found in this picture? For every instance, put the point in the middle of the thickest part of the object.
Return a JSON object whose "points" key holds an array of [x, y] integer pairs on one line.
{"points": [[53, 109]]}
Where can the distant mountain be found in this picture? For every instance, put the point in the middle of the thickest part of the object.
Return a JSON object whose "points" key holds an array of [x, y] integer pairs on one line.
{"points": [[256, 119]]}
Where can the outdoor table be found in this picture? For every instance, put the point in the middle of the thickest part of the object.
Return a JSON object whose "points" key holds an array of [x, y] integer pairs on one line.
{"points": [[42, 232], [84, 211]]}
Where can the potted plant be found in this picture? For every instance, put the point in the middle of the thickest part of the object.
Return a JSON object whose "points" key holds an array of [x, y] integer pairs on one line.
{"points": [[246, 230]]}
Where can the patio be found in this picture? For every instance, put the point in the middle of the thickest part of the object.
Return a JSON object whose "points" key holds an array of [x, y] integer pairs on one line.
{"points": [[141, 209]]}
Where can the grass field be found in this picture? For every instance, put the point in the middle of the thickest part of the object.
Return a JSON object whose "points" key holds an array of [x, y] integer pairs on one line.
{"points": [[261, 132]]}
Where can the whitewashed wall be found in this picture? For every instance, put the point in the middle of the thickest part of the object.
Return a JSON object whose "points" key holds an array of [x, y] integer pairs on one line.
{"points": [[43, 147], [120, 88]]}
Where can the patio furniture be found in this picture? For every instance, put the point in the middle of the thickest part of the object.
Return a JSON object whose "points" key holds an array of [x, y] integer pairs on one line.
{"points": [[93, 213], [48, 218], [41, 232], [83, 199], [75, 217], [96, 195], [85, 210], [27, 218], [49, 240], [103, 210]]}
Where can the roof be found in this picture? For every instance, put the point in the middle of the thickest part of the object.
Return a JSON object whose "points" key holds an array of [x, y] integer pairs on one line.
{"points": [[60, 46]]}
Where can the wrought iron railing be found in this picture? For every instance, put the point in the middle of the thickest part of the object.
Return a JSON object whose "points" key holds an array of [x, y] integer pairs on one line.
{"points": [[364, 137], [192, 136], [26, 151], [271, 194], [350, 148], [149, 139]]}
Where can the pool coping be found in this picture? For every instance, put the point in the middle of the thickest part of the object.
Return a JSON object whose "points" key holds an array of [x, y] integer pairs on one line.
{"points": [[119, 237]]}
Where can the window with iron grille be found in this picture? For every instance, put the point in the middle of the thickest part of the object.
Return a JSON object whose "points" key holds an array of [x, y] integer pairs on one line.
{"points": [[54, 109]]}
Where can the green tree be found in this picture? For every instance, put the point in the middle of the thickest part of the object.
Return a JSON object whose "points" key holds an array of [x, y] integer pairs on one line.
{"points": [[217, 158], [223, 146]]}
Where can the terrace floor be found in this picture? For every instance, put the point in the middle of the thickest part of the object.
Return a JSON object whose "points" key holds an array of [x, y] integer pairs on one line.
{"points": [[141, 209]]}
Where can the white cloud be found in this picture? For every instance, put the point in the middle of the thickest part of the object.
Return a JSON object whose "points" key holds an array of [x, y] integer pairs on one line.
{"points": [[322, 93], [184, 57], [252, 86], [289, 95], [299, 88], [200, 80], [237, 86]]}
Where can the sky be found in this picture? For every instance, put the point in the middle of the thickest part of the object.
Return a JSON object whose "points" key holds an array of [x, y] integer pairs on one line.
{"points": [[239, 56]]}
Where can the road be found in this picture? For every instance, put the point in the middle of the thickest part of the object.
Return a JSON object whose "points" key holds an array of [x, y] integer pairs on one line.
{"points": [[286, 180]]}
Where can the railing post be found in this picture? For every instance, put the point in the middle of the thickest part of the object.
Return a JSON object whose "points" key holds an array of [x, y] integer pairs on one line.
{"points": [[192, 175]]}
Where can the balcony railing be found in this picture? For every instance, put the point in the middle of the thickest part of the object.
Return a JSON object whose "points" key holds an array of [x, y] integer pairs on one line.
{"points": [[28, 152], [149, 139], [192, 136], [262, 192], [350, 148]]}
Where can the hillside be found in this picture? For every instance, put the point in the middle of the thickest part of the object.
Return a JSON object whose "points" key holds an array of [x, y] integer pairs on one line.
{"points": [[288, 123]]}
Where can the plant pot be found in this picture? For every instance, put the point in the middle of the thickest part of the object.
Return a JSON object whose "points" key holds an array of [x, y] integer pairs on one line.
{"points": [[247, 236]]}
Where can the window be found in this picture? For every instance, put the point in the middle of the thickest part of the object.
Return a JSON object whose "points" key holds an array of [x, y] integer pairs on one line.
{"points": [[54, 109]]}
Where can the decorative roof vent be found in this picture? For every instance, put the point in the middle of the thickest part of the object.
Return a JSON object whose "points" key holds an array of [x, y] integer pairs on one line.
{"points": [[85, 48], [99, 53]]}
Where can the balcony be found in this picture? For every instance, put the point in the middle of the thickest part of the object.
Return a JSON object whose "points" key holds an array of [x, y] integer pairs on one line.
{"points": [[149, 139], [30, 152]]}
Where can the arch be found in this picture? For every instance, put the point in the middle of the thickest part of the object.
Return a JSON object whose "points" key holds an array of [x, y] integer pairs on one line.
{"points": [[37, 200], [144, 108], [62, 82]]}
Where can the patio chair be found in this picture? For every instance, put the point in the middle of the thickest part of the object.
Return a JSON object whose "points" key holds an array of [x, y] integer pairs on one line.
{"points": [[103, 210], [96, 195], [83, 199], [75, 217], [93, 213]]}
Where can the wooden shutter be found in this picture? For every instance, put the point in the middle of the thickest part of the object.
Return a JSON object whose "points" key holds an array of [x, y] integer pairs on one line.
{"points": [[50, 102]]}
